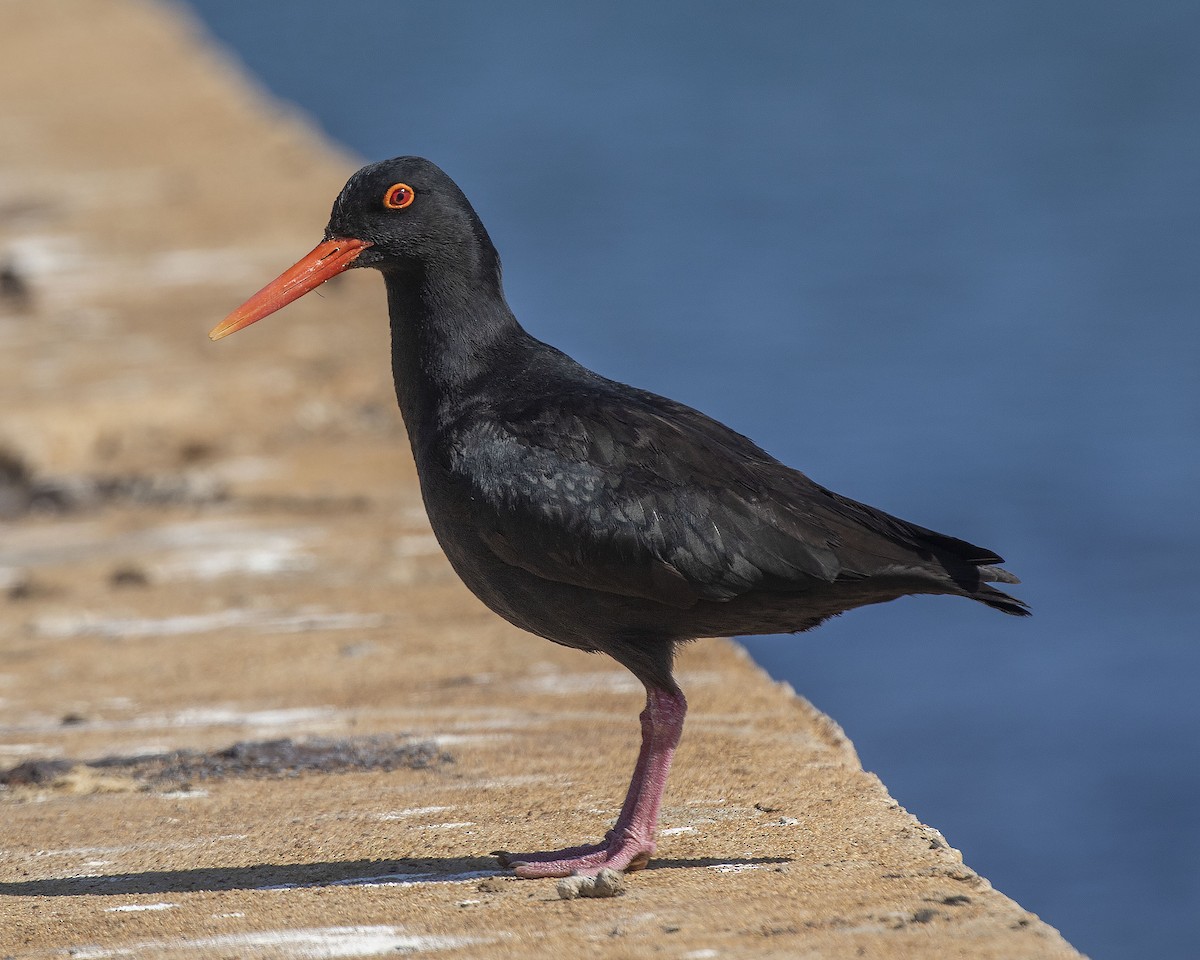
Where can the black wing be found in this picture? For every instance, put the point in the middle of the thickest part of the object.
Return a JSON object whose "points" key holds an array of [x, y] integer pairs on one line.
{"points": [[626, 492]]}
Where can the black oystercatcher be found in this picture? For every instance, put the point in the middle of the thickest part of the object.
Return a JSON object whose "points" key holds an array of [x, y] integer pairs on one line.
{"points": [[591, 513]]}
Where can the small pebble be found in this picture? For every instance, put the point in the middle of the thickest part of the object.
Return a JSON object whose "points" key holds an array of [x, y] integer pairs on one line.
{"points": [[607, 883], [128, 576]]}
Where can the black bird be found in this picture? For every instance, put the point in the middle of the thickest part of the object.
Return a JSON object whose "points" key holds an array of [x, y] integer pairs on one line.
{"points": [[591, 513]]}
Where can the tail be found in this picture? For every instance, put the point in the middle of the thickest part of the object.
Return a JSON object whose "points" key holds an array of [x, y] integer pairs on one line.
{"points": [[973, 568], [956, 566]]}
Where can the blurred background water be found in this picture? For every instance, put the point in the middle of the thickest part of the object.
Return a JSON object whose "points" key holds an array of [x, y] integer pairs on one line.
{"points": [[942, 256]]}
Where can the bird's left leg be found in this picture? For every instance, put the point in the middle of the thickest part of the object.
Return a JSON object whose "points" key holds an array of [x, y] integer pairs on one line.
{"points": [[630, 843]]}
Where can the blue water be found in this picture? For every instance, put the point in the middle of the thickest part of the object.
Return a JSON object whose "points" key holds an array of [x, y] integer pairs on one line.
{"points": [[944, 257]]}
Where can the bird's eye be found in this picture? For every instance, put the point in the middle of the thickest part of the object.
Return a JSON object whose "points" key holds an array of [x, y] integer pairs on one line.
{"points": [[399, 196]]}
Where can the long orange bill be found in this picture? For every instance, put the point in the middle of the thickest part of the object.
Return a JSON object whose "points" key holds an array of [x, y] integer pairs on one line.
{"points": [[326, 260]]}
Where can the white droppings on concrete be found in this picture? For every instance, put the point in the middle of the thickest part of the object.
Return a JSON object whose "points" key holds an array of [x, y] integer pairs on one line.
{"points": [[203, 549], [277, 555], [317, 943], [131, 848], [89, 624], [86, 623], [138, 907], [670, 831], [209, 549], [25, 749], [233, 717], [411, 812], [734, 867], [573, 684], [444, 826], [501, 783], [46, 255], [451, 739], [216, 716], [302, 622], [706, 953], [78, 273]]}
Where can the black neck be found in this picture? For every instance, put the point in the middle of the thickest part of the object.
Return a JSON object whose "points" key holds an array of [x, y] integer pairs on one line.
{"points": [[450, 327]]}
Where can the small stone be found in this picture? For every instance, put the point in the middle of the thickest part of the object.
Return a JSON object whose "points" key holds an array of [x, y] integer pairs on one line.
{"points": [[607, 883], [490, 885], [23, 587], [569, 888], [128, 576], [358, 649], [194, 451], [14, 286]]}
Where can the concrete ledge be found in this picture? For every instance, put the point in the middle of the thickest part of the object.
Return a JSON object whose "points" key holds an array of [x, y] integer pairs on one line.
{"points": [[207, 545]]}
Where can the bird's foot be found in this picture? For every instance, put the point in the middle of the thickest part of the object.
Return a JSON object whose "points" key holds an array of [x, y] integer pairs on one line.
{"points": [[624, 852]]}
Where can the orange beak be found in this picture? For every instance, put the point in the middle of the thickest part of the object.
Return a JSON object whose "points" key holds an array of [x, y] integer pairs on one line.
{"points": [[327, 260]]}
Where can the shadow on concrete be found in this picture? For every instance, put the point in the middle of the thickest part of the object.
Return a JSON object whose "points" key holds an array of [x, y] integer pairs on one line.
{"points": [[283, 876], [267, 876]]}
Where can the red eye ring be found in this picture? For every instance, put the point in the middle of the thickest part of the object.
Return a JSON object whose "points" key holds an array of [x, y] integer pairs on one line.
{"points": [[399, 196]]}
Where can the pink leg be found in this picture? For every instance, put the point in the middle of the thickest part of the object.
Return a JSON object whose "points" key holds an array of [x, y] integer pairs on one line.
{"points": [[630, 843]]}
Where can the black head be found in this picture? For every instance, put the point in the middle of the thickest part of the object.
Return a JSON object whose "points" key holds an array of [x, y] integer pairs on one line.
{"points": [[410, 212], [403, 216]]}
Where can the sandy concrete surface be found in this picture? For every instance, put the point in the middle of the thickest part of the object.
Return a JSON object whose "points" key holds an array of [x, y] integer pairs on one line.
{"points": [[209, 549]]}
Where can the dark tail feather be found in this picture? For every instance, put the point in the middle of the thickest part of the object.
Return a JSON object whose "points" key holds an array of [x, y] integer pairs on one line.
{"points": [[986, 569], [971, 567], [998, 599]]}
